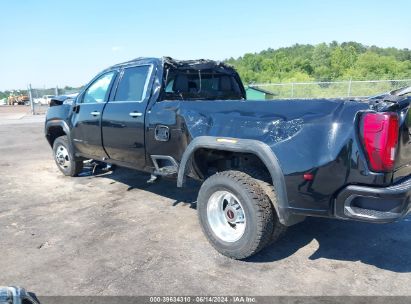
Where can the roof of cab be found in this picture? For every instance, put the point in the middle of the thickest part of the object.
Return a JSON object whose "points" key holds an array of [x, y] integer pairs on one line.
{"points": [[198, 63], [140, 60]]}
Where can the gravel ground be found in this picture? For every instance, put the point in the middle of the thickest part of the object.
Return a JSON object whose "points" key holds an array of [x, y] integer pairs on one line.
{"points": [[113, 234]]}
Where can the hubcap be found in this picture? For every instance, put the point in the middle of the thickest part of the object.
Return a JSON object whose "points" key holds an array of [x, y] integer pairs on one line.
{"points": [[226, 216], [62, 157]]}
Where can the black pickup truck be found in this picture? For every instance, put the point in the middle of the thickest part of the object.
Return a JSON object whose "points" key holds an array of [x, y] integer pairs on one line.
{"points": [[265, 165]]}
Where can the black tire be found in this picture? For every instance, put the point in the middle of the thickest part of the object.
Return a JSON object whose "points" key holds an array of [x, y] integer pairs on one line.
{"points": [[66, 162], [256, 208], [264, 179]]}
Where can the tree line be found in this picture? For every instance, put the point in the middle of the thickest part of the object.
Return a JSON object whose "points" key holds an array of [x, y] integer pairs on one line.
{"points": [[324, 62]]}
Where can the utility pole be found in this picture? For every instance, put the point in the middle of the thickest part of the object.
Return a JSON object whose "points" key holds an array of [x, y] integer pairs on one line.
{"points": [[349, 87], [31, 99]]}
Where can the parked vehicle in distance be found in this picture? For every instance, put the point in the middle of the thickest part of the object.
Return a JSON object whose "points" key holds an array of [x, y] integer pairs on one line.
{"points": [[17, 99], [265, 165], [46, 99]]}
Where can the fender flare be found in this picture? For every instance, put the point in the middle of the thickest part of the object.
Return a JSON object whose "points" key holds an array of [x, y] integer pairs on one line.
{"points": [[57, 123], [258, 148]]}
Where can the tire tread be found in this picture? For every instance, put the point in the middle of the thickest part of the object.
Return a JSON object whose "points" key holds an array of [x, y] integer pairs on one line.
{"points": [[264, 179], [264, 209]]}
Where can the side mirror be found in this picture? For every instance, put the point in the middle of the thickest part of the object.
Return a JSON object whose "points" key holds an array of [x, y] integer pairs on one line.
{"points": [[16, 295]]}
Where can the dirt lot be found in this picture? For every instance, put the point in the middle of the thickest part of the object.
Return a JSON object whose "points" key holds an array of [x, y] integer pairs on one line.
{"points": [[114, 234], [13, 112]]}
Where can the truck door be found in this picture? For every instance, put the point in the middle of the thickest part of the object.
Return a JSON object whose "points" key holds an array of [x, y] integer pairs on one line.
{"points": [[124, 116], [86, 128]]}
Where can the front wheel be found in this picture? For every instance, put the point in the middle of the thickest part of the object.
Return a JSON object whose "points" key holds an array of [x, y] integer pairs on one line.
{"points": [[64, 157], [235, 214]]}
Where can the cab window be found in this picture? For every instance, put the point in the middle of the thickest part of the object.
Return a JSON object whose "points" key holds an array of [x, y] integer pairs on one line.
{"points": [[97, 92]]}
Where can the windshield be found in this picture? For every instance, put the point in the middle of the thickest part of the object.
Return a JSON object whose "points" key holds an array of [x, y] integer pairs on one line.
{"points": [[190, 84]]}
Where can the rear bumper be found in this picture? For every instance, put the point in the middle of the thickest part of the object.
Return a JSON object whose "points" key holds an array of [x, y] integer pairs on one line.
{"points": [[370, 204]]}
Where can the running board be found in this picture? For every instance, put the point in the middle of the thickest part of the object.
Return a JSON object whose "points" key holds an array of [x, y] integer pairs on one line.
{"points": [[164, 165]]}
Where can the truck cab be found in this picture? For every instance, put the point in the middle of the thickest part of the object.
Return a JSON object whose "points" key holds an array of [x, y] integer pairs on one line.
{"points": [[115, 117]]}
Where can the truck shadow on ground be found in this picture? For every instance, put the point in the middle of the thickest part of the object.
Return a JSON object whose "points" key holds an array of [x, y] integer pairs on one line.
{"points": [[166, 187], [384, 246]]}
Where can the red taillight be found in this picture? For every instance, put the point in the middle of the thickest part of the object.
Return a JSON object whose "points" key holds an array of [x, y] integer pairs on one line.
{"points": [[308, 176], [380, 138]]}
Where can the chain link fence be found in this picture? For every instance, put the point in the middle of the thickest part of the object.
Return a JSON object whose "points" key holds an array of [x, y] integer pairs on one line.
{"points": [[41, 97], [335, 89], [270, 91]]}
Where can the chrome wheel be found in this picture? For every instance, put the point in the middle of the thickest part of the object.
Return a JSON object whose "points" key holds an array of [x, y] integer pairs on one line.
{"points": [[226, 216], [62, 157]]}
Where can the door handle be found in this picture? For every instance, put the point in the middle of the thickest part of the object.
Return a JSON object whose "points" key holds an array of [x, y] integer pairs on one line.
{"points": [[135, 114], [95, 113]]}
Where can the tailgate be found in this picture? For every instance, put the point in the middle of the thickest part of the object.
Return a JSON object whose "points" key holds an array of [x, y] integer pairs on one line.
{"points": [[403, 159]]}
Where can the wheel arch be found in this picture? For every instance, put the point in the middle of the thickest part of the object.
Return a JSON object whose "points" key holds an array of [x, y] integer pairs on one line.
{"points": [[261, 150], [55, 129]]}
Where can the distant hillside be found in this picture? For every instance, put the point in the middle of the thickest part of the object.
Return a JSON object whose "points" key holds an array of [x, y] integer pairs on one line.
{"points": [[324, 62]]}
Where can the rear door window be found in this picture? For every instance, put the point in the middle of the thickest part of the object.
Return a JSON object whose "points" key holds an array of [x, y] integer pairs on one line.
{"points": [[133, 84]]}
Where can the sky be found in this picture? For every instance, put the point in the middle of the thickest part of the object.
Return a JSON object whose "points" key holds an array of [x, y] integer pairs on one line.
{"points": [[48, 43]]}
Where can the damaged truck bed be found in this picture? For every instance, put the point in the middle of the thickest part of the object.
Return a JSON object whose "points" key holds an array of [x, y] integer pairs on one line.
{"points": [[265, 165]]}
